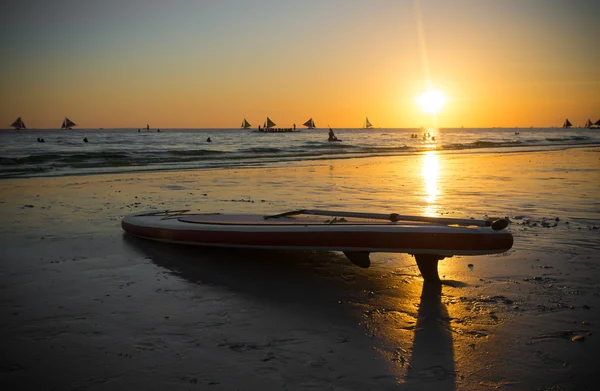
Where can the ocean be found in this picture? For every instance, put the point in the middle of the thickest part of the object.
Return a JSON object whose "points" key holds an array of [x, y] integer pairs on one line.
{"points": [[64, 152]]}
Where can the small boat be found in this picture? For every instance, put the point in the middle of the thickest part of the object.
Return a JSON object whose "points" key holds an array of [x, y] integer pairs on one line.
{"points": [[567, 124], [368, 124], [245, 124], [68, 124], [310, 124], [589, 123], [356, 234], [18, 124], [269, 127]]}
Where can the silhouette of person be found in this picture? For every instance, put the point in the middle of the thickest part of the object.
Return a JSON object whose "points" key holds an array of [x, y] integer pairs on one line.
{"points": [[332, 136]]}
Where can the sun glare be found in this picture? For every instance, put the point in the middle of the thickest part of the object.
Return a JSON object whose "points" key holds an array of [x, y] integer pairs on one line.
{"points": [[431, 101]]}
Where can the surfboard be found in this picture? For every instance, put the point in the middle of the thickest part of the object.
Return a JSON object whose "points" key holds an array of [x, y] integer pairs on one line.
{"points": [[355, 234]]}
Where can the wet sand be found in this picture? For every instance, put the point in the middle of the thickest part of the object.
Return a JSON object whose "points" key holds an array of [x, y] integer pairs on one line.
{"points": [[85, 307]]}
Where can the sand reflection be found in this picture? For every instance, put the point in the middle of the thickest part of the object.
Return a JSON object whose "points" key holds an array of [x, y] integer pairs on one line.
{"points": [[430, 172]]}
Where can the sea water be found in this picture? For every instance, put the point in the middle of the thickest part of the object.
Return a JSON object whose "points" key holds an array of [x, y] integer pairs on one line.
{"points": [[64, 152]]}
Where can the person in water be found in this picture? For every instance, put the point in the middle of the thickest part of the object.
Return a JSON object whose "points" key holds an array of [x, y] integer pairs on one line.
{"points": [[208, 140], [332, 136]]}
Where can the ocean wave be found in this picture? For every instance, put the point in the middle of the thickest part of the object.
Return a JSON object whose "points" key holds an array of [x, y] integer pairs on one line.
{"points": [[326, 145], [568, 138], [492, 144], [388, 149], [63, 153], [9, 161], [261, 150], [483, 144], [194, 152]]}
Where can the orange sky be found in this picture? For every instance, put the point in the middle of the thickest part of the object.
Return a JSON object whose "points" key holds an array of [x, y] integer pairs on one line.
{"points": [[193, 64]]}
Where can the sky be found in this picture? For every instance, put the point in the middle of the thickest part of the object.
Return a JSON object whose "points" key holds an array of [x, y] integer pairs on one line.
{"points": [[210, 64]]}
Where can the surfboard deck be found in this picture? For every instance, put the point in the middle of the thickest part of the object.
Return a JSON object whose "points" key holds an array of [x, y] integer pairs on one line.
{"points": [[356, 237]]}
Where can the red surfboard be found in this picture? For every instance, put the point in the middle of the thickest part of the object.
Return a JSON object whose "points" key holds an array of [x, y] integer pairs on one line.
{"points": [[355, 234]]}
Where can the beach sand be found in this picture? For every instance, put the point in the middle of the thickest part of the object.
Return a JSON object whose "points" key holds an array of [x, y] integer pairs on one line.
{"points": [[83, 306]]}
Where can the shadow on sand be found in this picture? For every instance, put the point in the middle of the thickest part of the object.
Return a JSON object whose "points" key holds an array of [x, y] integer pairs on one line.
{"points": [[326, 286], [433, 353]]}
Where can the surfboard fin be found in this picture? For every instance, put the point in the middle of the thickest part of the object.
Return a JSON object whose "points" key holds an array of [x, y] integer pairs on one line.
{"points": [[359, 258]]}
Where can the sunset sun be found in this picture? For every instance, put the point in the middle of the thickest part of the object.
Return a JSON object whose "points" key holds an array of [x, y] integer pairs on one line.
{"points": [[431, 101]]}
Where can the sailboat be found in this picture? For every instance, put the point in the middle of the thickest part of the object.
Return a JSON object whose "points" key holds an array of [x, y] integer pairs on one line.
{"points": [[268, 123], [310, 124], [68, 124], [368, 125], [589, 123], [245, 124], [18, 124], [567, 124]]}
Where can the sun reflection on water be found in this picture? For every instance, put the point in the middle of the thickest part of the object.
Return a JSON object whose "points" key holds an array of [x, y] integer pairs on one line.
{"points": [[430, 173]]}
